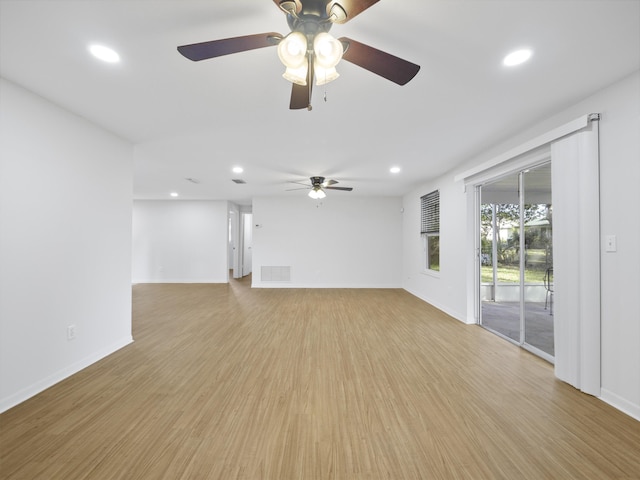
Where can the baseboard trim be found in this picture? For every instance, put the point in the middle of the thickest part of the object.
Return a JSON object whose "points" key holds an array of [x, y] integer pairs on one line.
{"points": [[619, 403], [40, 386], [137, 281], [457, 315], [322, 285]]}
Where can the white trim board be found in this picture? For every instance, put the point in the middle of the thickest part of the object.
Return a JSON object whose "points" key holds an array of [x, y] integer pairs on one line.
{"points": [[620, 403], [274, 284], [456, 315]]}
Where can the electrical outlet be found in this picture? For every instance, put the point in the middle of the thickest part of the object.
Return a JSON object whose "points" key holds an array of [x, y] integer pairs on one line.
{"points": [[71, 332]]}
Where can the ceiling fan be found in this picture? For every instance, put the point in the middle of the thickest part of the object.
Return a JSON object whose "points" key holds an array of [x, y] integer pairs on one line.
{"points": [[309, 52], [318, 186]]}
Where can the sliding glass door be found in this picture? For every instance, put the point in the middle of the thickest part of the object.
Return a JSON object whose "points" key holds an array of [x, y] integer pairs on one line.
{"points": [[538, 259], [516, 259], [500, 260]]}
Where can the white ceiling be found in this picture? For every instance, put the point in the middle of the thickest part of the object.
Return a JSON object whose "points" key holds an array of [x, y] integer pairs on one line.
{"points": [[199, 119]]}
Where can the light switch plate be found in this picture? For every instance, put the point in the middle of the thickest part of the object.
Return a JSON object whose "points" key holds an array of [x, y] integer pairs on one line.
{"points": [[610, 243]]}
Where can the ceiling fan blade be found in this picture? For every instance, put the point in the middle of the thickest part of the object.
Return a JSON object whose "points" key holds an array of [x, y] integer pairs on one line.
{"points": [[346, 189], [218, 48], [341, 11], [381, 63], [301, 94], [292, 189], [329, 182], [299, 97]]}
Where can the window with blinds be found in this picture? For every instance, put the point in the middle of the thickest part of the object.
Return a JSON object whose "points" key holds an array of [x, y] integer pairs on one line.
{"points": [[430, 212], [430, 229]]}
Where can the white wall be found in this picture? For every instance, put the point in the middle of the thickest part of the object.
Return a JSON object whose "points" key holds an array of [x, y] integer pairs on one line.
{"points": [[620, 271], [446, 288], [619, 179], [65, 243], [180, 241], [346, 242]]}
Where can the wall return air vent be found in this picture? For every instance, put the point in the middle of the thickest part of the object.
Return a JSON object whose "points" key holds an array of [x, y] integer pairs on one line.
{"points": [[275, 274]]}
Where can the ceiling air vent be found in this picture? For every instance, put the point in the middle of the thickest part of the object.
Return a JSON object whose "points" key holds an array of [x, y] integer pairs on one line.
{"points": [[238, 180]]}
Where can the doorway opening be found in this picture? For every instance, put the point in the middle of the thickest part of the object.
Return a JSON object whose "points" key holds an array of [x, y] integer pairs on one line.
{"points": [[240, 246], [516, 259]]}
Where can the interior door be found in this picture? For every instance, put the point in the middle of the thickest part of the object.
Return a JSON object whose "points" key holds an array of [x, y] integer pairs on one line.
{"points": [[247, 244], [234, 242]]}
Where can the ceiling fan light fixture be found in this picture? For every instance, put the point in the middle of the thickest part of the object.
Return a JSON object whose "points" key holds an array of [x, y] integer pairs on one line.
{"points": [[325, 75], [317, 193], [292, 50], [296, 75], [327, 49]]}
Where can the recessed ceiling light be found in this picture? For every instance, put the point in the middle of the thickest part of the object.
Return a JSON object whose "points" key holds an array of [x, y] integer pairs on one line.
{"points": [[517, 57], [238, 170], [105, 54], [174, 194], [394, 169]]}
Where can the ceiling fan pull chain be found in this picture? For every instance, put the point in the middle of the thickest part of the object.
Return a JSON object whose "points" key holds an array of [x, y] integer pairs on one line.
{"points": [[325, 87]]}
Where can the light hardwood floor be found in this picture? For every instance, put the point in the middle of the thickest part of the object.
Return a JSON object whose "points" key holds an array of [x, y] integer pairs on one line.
{"points": [[228, 382]]}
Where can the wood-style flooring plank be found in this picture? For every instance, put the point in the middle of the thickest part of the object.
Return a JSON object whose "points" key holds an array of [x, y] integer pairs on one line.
{"points": [[229, 382]]}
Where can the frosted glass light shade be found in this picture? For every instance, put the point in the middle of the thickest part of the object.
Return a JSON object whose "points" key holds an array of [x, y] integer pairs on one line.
{"points": [[325, 75], [292, 50], [317, 194], [296, 75], [328, 51]]}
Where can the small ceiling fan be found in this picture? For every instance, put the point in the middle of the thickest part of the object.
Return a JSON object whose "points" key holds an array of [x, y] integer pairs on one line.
{"points": [[318, 186], [309, 52]]}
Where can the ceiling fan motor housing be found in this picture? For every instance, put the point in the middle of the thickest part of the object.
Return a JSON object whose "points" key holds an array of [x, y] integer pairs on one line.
{"points": [[309, 24], [317, 181]]}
